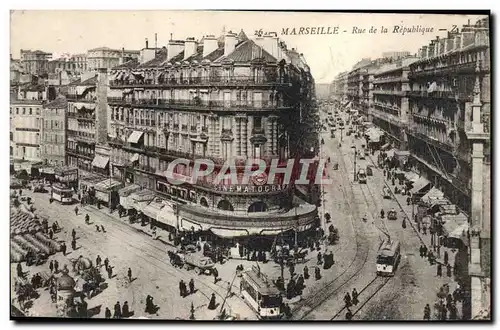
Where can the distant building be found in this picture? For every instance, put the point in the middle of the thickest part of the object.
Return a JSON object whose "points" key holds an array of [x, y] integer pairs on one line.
{"points": [[53, 132], [35, 62], [396, 55], [107, 58]]}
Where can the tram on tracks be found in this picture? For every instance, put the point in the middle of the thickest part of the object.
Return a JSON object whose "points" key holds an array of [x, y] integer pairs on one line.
{"points": [[260, 294], [388, 257], [62, 193]]}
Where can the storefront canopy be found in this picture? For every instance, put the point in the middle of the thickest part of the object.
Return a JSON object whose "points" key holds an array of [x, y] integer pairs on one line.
{"points": [[134, 137], [455, 226], [412, 176], [127, 190], [167, 216], [134, 158], [100, 161], [108, 185], [433, 194], [153, 209], [420, 185]]}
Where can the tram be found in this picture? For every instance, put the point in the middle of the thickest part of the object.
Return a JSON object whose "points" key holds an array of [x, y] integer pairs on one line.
{"points": [[362, 176], [260, 294], [62, 193], [388, 257]]}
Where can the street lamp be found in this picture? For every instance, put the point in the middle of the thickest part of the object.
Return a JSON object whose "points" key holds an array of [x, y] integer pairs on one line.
{"points": [[355, 154]]}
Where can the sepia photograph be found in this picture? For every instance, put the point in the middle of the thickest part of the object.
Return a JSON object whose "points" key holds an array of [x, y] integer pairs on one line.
{"points": [[203, 165]]}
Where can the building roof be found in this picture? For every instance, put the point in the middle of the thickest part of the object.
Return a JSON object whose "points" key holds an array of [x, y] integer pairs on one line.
{"points": [[160, 57], [131, 64], [30, 87], [100, 48], [248, 51], [198, 56], [89, 82], [59, 103], [27, 51], [242, 36], [215, 54]]}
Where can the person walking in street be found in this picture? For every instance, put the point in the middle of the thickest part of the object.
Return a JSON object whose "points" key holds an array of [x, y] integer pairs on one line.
{"points": [[97, 229], [51, 266], [306, 273], [355, 300], [129, 274], [421, 251], [439, 270], [191, 286], [102, 229], [98, 261], [76, 210], [347, 300], [418, 226], [445, 257], [73, 234], [348, 315], [107, 313], [181, 289], [212, 305], [118, 311], [63, 248], [453, 312], [56, 266], [125, 309], [424, 229], [87, 218], [408, 200], [106, 263], [215, 272], [448, 270], [317, 273], [427, 312], [382, 213], [20, 270], [320, 259], [51, 234], [73, 244], [110, 272]]}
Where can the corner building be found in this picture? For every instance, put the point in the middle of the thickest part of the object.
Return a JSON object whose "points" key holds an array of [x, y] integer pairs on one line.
{"points": [[224, 99]]}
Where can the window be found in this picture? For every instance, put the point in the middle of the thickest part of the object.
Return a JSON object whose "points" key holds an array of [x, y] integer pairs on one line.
{"points": [[11, 111], [24, 111], [11, 136], [257, 207], [225, 205], [31, 111], [17, 111], [257, 122]]}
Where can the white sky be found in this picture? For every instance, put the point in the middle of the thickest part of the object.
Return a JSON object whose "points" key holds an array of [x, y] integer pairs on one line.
{"points": [[327, 55]]}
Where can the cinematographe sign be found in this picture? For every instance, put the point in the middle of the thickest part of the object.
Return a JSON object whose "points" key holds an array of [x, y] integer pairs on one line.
{"points": [[251, 189]]}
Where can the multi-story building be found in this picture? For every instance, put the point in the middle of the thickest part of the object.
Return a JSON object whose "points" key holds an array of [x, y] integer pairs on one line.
{"points": [[25, 124], [449, 135], [107, 58], [86, 121], [389, 109], [74, 64], [232, 101], [35, 62], [53, 132], [396, 55]]}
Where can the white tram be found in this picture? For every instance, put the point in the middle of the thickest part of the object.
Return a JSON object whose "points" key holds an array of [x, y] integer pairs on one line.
{"points": [[260, 294], [62, 193], [388, 257]]}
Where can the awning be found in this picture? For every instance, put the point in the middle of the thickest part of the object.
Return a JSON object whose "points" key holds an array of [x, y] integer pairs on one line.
{"points": [[229, 233], [437, 203], [420, 185], [81, 89], [139, 74], [391, 152], [412, 176], [402, 153], [100, 161], [385, 146], [167, 216], [455, 226], [108, 184], [135, 136], [127, 190], [47, 170], [134, 158], [81, 105], [433, 194], [152, 210]]}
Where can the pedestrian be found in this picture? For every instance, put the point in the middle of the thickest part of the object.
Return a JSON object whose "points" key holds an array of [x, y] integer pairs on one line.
{"points": [[73, 234], [317, 273], [54, 227], [448, 270], [355, 300], [215, 273], [292, 269], [20, 270], [425, 251], [125, 309], [212, 305], [421, 251], [182, 293], [73, 244], [191, 286], [427, 312], [418, 226], [306, 273], [106, 263], [76, 210], [445, 257], [63, 248], [102, 228], [118, 311], [408, 200], [51, 234], [348, 315], [347, 300], [110, 272], [404, 223], [453, 312], [98, 261], [56, 266], [439, 270], [382, 213], [129, 274], [320, 259], [87, 218], [51, 266], [97, 229], [424, 229], [149, 305], [107, 313]]}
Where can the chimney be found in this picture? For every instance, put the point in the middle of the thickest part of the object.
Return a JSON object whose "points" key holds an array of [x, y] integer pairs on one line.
{"points": [[467, 39], [147, 43], [190, 47], [456, 42], [230, 41], [209, 44], [270, 43], [174, 47]]}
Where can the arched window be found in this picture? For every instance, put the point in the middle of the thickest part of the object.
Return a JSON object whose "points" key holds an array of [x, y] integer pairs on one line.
{"points": [[257, 207], [225, 205], [203, 202]]}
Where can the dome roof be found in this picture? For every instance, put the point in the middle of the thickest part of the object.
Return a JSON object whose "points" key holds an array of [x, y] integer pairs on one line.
{"points": [[66, 282]]}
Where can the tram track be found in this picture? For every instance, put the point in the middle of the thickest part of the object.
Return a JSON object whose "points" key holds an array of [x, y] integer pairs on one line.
{"points": [[308, 305]]}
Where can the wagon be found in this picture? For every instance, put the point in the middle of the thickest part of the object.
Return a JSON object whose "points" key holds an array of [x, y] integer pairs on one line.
{"points": [[392, 215]]}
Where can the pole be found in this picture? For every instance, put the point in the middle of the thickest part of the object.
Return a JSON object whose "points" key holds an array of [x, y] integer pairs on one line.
{"points": [[355, 153]]}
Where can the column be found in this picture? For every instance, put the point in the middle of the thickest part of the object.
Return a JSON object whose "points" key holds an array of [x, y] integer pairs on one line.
{"points": [[238, 135], [244, 136], [269, 134], [217, 137], [274, 134], [211, 136]]}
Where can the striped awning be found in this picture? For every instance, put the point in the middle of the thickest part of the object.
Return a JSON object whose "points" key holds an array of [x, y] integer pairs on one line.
{"points": [[100, 161], [135, 136]]}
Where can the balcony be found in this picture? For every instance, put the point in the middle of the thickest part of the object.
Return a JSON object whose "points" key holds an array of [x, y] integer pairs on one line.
{"points": [[451, 69], [79, 98], [389, 92], [82, 116], [184, 127], [193, 128], [82, 136], [257, 131], [387, 80], [204, 129], [424, 136], [80, 154], [205, 82]]}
